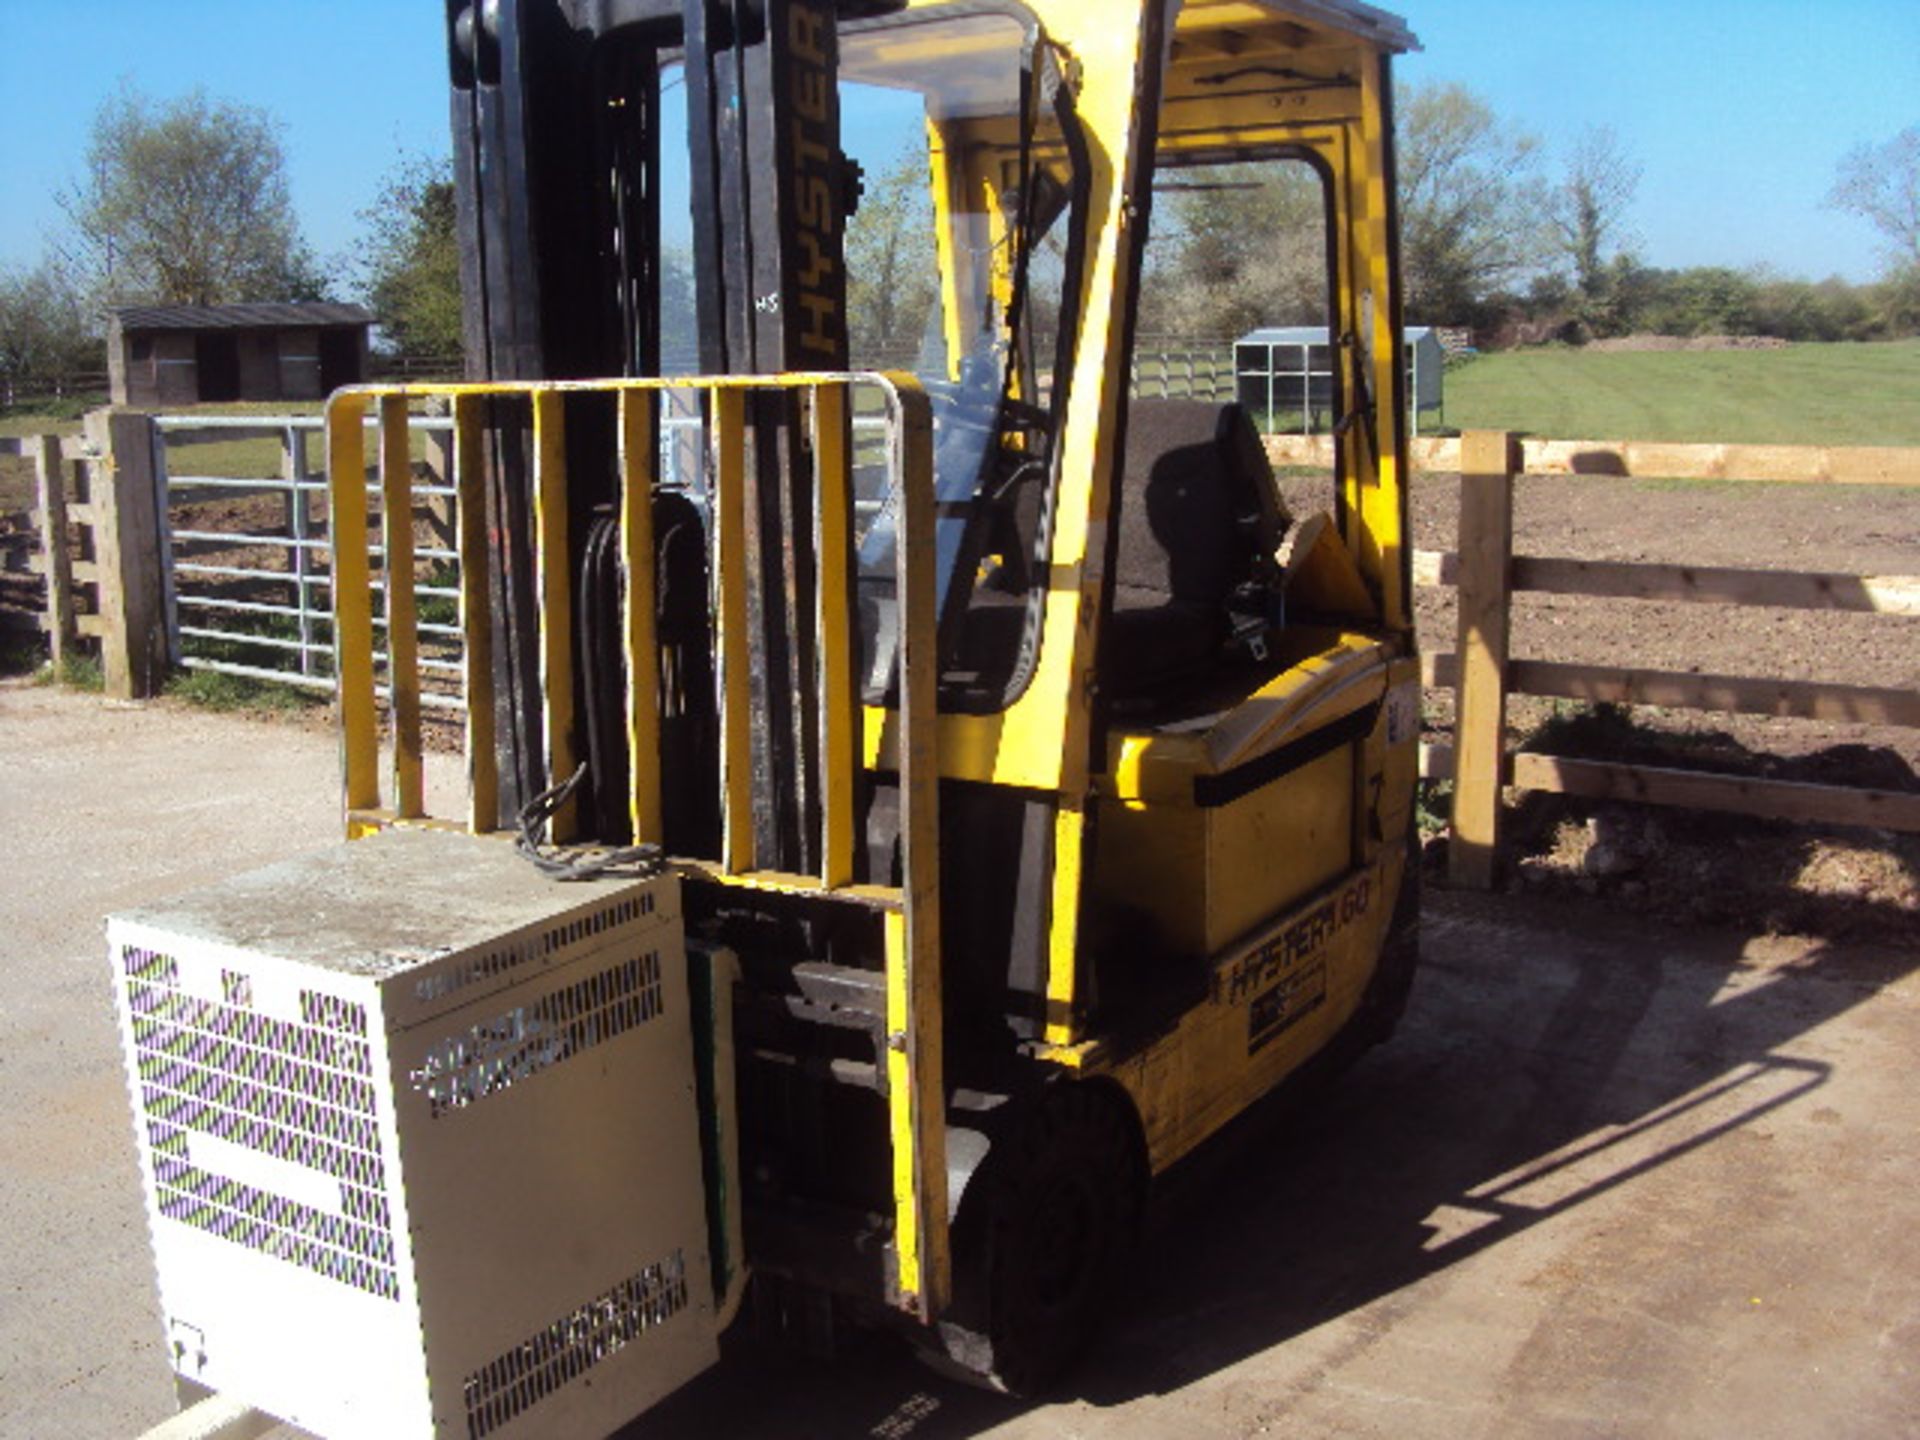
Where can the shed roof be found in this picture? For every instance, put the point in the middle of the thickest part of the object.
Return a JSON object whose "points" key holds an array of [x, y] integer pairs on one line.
{"points": [[238, 317], [1312, 335]]}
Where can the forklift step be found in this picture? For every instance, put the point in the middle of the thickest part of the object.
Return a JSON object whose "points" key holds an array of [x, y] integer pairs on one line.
{"points": [[827, 996], [840, 1069], [860, 995], [832, 1001]]}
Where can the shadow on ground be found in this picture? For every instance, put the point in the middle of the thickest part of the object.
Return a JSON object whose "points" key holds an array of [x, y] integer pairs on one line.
{"points": [[1554, 1052]]}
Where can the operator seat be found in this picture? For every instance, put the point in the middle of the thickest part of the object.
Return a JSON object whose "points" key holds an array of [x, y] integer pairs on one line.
{"points": [[1199, 521]]}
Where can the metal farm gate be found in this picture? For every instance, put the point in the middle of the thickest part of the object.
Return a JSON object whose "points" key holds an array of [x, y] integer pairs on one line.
{"points": [[247, 549]]}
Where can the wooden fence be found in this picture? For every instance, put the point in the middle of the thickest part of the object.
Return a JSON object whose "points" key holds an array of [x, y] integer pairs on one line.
{"points": [[1627, 459], [97, 520], [81, 384], [1483, 674]]}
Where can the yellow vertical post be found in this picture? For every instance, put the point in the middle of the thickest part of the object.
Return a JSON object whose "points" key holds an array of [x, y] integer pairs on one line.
{"points": [[1347, 198], [476, 613], [403, 635], [948, 179], [639, 458], [555, 598], [1382, 555], [1487, 461], [916, 1093], [839, 701], [728, 408], [1063, 934], [352, 601]]}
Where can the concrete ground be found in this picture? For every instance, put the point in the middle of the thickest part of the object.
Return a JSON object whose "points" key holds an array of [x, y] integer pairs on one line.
{"points": [[1610, 1179]]}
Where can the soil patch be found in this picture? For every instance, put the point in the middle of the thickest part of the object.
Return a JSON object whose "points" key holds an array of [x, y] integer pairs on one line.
{"points": [[1858, 530], [1641, 343], [1704, 868], [1680, 865]]}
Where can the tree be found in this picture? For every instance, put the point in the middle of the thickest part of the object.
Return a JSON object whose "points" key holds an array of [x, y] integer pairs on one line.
{"points": [[1825, 310], [1233, 247], [1881, 184], [1897, 301], [185, 202], [1702, 300], [45, 337], [1470, 199], [892, 271], [411, 264], [409, 269], [1586, 216]]}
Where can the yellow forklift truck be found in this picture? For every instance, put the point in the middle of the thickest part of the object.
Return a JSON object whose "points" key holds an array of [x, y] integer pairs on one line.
{"points": [[1043, 784], [1051, 783]]}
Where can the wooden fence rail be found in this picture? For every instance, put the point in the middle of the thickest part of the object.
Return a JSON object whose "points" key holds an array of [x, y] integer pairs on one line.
{"points": [[1630, 459], [18, 390], [1483, 674]]}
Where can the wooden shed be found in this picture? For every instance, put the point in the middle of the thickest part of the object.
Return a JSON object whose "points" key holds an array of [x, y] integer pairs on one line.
{"points": [[160, 355]]}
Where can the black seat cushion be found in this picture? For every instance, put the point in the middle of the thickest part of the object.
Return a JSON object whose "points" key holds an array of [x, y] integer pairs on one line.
{"points": [[1197, 510]]}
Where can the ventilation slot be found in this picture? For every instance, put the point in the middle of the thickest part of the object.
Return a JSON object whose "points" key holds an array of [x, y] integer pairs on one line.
{"points": [[149, 965], [573, 1345], [302, 1094], [330, 1012], [467, 1067], [498, 961]]}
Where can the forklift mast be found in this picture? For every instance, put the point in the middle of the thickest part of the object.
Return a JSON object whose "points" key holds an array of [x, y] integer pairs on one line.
{"points": [[556, 120]]}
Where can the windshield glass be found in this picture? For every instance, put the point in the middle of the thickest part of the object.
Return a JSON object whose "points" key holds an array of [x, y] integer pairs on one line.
{"points": [[958, 259]]}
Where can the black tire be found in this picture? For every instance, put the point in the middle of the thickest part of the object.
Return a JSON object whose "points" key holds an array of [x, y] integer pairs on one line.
{"points": [[1043, 1233]]}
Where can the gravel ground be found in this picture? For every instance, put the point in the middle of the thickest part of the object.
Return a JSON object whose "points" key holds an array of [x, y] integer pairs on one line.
{"points": [[1611, 1178], [106, 805]]}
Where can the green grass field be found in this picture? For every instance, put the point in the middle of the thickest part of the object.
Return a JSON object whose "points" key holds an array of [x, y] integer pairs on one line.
{"points": [[49, 417], [1802, 395]]}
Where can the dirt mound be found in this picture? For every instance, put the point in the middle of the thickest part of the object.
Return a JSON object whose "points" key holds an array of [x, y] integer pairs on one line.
{"points": [[1699, 868], [1687, 342]]}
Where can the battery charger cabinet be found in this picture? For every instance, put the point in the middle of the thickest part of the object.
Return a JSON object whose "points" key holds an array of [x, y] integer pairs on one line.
{"points": [[419, 1139]]}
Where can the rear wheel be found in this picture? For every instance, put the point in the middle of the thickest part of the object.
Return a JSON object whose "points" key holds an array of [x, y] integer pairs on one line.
{"points": [[1041, 1238]]}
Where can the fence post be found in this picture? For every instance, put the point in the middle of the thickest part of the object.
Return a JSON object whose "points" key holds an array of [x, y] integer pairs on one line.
{"points": [[51, 475], [1488, 459], [133, 624], [441, 518], [293, 470], [163, 521]]}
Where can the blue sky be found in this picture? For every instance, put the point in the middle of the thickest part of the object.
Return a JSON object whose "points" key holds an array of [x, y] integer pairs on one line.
{"points": [[1737, 111]]}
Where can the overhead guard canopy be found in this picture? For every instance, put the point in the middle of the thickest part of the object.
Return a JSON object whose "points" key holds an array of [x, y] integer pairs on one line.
{"points": [[1257, 21]]}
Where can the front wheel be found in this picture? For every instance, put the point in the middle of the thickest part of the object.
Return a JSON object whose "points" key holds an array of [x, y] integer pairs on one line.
{"points": [[1041, 1238]]}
